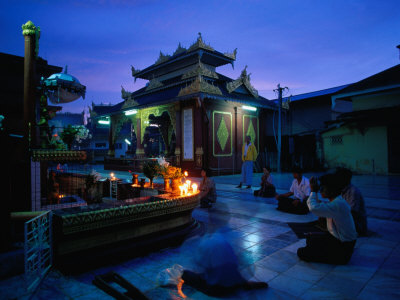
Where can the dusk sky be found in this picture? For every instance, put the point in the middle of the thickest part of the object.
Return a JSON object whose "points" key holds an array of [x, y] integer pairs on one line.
{"points": [[302, 44]]}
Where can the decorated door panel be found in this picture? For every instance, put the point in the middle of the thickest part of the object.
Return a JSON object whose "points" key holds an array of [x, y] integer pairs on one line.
{"points": [[250, 127], [222, 133]]}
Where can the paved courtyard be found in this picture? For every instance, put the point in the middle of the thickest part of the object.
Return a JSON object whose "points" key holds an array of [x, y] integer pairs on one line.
{"points": [[266, 248]]}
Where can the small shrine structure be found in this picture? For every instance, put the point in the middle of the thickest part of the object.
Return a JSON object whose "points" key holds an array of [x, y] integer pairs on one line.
{"points": [[188, 112]]}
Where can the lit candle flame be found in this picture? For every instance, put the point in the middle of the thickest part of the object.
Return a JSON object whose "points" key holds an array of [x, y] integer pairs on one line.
{"points": [[194, 188], [181, 188], [185, 173]]}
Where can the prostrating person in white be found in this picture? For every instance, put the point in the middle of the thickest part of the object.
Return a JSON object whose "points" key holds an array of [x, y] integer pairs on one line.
{"points": [[335, 246]]}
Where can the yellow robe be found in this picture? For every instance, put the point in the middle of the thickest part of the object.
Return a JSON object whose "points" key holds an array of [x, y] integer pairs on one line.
{"points": [[251, 153]]}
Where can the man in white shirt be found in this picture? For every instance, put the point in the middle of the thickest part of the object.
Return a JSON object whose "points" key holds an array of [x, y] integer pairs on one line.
{"points": [[335, 246], [300, 190]]}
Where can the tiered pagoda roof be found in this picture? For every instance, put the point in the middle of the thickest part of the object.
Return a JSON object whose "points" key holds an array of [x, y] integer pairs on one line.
{"points": [[189, 73]]}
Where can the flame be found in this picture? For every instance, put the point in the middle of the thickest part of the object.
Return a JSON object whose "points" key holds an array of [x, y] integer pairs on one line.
{"points": [[186, 174], [194, 188], [179, 287]]}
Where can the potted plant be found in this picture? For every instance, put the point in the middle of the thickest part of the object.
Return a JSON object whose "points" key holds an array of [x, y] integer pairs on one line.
{"points": [[175, 174], [150, 170]]}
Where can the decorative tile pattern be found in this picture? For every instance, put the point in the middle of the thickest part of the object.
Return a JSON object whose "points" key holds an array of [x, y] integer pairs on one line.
{"points": [[222, 134]]}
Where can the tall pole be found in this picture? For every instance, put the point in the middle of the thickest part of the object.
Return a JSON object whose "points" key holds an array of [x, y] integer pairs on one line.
{"points": [[279, 127], [279, 90], [31, 35], [29, 31]]}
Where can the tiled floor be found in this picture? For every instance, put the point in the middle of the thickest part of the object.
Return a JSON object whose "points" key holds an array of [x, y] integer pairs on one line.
{"points": [[266, 249]]}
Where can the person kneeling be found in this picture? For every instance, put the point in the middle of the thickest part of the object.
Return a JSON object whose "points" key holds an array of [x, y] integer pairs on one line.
{"points": [[337, 245], [207, 189]]}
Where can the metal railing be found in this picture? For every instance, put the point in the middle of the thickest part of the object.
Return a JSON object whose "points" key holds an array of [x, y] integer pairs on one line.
{"points": [[37, 249]]}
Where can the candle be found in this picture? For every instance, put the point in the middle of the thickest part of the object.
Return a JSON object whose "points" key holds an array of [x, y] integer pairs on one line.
{"points": [[185, 187], [181, 188], [186, 174], [188, 183], [194, 188]]}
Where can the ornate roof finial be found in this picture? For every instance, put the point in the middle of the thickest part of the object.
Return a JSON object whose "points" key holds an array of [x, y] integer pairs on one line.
{"points": [[244, 72], [134, 72], [200, 44], [244, 79], [162, 58], [179, 50], [231, 55]]}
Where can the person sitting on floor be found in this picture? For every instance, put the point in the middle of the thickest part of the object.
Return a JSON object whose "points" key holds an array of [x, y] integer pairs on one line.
{"points": [[267, 187], [354, 198], [335, 246], [300, 190], [208, 192]]}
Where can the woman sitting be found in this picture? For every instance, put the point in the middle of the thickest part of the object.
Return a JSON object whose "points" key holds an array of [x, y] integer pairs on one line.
{"points": [[208, 193], [267, 187], [335, 246]]}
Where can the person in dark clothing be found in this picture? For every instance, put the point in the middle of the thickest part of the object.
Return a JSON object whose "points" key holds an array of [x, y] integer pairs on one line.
{"points": [[208, 193], [267, 187], [335, 246], [354, 198]]}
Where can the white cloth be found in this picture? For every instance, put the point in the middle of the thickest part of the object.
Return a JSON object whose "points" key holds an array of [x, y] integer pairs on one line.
{"points": [[246, 147], [302, 190], [338, 216]]}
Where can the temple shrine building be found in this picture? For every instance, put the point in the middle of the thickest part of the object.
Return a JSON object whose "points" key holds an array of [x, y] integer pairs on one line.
{"points": [[188, 112]]}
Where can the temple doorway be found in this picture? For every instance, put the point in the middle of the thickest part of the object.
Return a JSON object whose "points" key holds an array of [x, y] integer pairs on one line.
{"points": [[159, 136]]}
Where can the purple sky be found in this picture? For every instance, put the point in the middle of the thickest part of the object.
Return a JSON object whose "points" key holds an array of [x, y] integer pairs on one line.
{"points": [[302, 44]]}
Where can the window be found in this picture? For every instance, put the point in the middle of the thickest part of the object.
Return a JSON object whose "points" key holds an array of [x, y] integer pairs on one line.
{"points": [[118, 146], [337, 140], [100, 145]]}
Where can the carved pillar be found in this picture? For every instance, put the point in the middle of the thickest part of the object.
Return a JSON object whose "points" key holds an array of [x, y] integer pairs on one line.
{"points": [[236, 158], [178, 133], [178, 156], [139, 142], [199, 156]]}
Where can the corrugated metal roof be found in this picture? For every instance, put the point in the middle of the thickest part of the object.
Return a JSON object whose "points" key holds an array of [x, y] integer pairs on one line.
{"points": [[388, 77], [314, 94]]}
